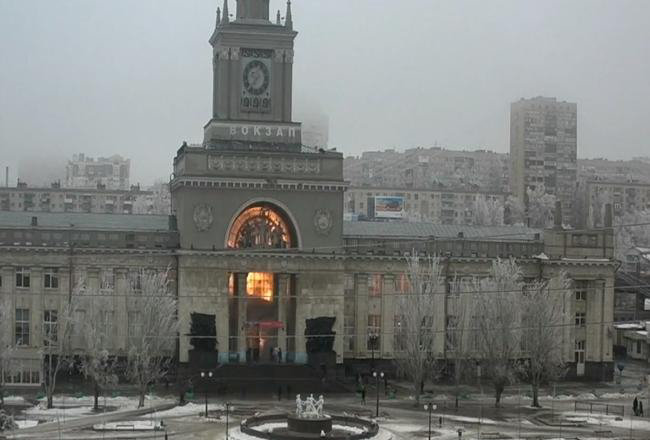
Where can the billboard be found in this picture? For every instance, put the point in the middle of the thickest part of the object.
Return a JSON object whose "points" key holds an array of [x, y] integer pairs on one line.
{"points": [[389, 207]]}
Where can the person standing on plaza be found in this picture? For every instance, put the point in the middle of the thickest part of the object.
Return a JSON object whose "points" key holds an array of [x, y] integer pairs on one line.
{"points": [[641, 408], [363, 394], [635, 406]]}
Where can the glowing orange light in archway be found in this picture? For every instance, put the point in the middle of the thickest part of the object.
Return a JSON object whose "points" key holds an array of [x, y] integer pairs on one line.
{"points": [[260, 285]]}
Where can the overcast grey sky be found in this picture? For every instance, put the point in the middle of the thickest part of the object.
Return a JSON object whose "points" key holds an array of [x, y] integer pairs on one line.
{"points": [[134, 76]]}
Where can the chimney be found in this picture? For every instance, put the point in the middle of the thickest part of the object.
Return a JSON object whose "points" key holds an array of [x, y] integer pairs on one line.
{"points": [[461, 235], [558, 215], [34, 221], [608, 216], [7, 177]]}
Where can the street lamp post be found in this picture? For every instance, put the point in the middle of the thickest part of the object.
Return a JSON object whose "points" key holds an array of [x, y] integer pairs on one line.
{"points": [[227, 408], [203, 376], [430, 407], [377, 377]]}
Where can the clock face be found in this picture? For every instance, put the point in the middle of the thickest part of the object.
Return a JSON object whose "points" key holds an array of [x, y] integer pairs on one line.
{"points": [[256, 77]]}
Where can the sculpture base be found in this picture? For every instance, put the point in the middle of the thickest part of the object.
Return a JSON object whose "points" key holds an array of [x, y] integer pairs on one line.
{"points": [[310, 427]]}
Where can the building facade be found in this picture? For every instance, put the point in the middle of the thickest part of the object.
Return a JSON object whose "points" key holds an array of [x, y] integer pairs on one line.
{"points": [[257, 241], [98, 201], [543, 149], [443, 206], [108, 172]]}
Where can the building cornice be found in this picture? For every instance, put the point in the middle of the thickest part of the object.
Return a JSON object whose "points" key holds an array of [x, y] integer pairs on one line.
{"points": [[269, 184]]}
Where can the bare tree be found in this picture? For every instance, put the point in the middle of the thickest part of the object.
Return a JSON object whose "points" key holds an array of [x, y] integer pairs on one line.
{"points": [[545, 313], [57, 352], [514, 212], [96, 362], [540, 207], [417, 314], [151, 337], [7, 350], [497, 299], [461, 311], [488, 211]]}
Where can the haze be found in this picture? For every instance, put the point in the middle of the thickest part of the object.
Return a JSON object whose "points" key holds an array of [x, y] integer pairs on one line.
{"points": [[134, 77]]}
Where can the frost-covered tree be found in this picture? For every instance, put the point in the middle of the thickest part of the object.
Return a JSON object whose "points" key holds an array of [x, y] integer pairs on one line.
{"points": [[97, 364], [7, 350], [460, 314], [497, 301], [488, 212], [540, 207], [514, 212], [417, 314], [58, 351], [545, 307], [152, 337]]}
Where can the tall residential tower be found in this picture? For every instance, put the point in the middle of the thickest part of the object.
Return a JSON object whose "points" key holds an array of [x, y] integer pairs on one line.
{"points": [[543, 149]]}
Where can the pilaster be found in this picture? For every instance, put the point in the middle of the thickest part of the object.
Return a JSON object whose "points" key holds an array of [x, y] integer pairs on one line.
{"points": [[283, 312], [242, 307], [387, 316], [361, 344]]}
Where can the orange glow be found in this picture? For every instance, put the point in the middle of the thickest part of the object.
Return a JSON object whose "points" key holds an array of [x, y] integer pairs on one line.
{"points": [[260, 285], [231, 284], [259, 227]]}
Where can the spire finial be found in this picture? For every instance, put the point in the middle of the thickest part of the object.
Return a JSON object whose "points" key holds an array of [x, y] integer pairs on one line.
{"points": [[278, 19], [288, 22], [218, 16], [226, 15]]}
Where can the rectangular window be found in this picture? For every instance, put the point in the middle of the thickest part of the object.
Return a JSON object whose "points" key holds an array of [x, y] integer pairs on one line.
{"points": [[50, 327], [581, 288], [107, 280], [51, 278], [375, 284], [580, 319], [374, 332], [22, 277], [402, 284], [22, 327], [134, 326]]}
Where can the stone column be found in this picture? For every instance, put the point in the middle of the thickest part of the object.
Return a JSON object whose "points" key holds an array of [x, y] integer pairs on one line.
{"points": [[387, 316], [122, 309], [242, 307], [35, 301], [361, 325], [222, 313], [300, 356], [283, 306]]}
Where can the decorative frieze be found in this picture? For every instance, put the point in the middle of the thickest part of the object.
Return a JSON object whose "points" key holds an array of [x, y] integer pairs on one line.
{"points": [[266, 165]]}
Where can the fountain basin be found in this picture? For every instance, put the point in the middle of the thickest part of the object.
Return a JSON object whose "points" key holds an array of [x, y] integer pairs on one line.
{"points": [[315, 426]]}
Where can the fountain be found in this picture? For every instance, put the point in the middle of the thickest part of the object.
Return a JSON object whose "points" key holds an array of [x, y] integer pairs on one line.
{"points": [[308, 422]]}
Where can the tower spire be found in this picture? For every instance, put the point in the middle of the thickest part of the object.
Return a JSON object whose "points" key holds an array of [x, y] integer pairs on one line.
{"points": [[278, 19], [218, 16], [288, 22], [226, 16]]}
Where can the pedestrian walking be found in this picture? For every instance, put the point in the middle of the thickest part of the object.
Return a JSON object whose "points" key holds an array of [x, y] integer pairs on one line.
{"points": [[641, 408], [635, 406], [363, 394]]}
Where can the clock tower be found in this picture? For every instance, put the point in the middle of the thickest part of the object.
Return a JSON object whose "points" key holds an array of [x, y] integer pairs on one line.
{"points": [[253, 75]]}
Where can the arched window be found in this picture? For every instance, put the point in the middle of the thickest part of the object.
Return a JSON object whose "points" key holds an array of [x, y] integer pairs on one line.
{"points": [[261, 227]]}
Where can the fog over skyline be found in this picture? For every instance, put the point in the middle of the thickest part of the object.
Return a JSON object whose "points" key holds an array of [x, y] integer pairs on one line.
{"points": [[135, 77]]}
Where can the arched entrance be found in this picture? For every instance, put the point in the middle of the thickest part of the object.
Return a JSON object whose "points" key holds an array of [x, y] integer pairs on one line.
{"points": [[261, 307]]}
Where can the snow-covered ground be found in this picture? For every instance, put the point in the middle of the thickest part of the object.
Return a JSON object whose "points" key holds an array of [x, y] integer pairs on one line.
{"points": [[15, 400], [134, 425], [190, 409], [67, 408], [608, 420], [26, 423]]}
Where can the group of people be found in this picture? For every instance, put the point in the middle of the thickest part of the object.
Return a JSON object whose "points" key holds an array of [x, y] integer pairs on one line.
{"points": [[637, 407]]}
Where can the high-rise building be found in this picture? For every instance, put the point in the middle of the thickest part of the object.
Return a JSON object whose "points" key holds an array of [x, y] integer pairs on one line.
{"points": [[543, 149], [104, 172]]}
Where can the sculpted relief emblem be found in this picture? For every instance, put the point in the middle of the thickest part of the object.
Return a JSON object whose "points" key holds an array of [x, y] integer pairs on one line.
{"points": [[323, 221], [203, 217]]}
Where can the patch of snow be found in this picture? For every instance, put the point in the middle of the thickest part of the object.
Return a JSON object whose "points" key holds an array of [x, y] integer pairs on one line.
{"points": [[586, 396], [190, 409], [26, 423], [16, 400], [464, 419], [609, 420], [629, 326], [135, 425]]}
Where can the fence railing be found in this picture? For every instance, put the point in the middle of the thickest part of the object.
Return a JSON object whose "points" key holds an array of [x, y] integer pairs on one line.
{"points": [[602, 408]]}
